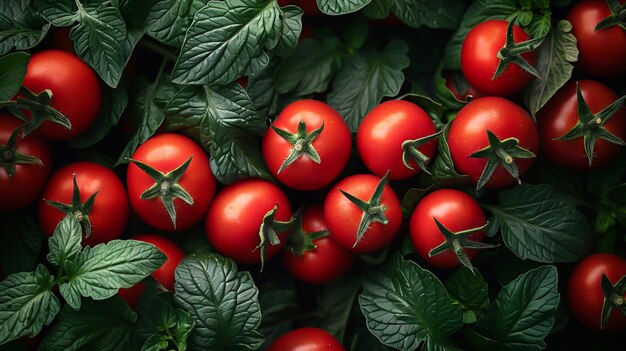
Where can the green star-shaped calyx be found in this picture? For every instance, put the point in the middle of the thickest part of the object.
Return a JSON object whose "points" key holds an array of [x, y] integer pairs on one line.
{"points": [[301, 142], [79, 209], [41, 111], [269, 229], [9, 157], [613, 298], [410, 151], [511, 53], [616, 18]]}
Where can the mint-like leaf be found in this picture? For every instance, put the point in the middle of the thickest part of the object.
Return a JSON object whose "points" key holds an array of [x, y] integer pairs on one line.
{"points": [[341, 7], [522, 315], [160, 323], [468, 288], [21, 27], [65, 243], [12, 72], [26, 304], [168, 20], [222, 301], [378, 9], [406, 306], [291, 30], [429, 13], [20, 242]]}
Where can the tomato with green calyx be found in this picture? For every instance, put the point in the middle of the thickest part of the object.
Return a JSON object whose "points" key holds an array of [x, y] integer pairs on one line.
{"points": [[309, 339], [93, 193], [596, 302], [498, 58], [307, 146], [396, 136], [25, 164], [362, 212], [494, 141], [311, 254], [583, 125], [170, 184]]}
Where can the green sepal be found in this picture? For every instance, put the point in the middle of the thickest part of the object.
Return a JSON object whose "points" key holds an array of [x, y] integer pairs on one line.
{"points": [[410, 152], [9, 157], [591, 127], [511, 53], [616, 18], [301, 142], [613, 298], [78, 209], [269, 229], [166, 186], [457, 242], [500, 152], [301, 241], [39, 106]]}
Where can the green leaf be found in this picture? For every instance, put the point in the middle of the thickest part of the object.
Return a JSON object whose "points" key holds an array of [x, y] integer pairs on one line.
{"points": [[169, 20], [540, 25], [478, 12], [555, 58], [337, 299], [340, 7], [12, 72], [65, 243], [223, 120], [536, 224], [100, 271], [161, 323], [468, 288], [292, 18], [20, 242], [522, 315], [26, 304], [279, 305], [366, 78], [378, 9], [406, 306], [107, 325], [443, 167], [430, 13], [20, 26], [225, 37], [222, 301]]}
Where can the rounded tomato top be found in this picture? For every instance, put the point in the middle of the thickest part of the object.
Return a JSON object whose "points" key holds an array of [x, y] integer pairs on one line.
{"points": [[306, 339], [75, 90]]}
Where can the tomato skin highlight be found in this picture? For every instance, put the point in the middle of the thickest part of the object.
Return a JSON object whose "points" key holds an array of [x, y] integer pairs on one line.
{"points": [[24, 186], [333, 145], [383, 130], [327, 262], [306, 339], [75, 90], [110, 211], [468, 134], [343, 217], [235, 216], [165, 152], [601, 53], [560, 114], [479, 61], [456, 211], [585, 295]]}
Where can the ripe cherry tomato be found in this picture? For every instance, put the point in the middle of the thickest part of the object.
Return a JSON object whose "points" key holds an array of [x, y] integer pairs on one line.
{"points": [[560, 114], [456, 211], [166, 152], [460, 88], [75, 90], [601, 53], [309, 339], [109, 213], [585, 294], [235, 216], [383, 130], [343, 217], [333, 145], [468, 134], [327, 262], [25, 185], [479, 60]]}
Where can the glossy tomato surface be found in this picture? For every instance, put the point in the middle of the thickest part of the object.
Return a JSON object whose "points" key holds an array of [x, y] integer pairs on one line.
{"points": [[468, 134], [25, 185], [560, 115], [327, 262], [166, 152], [333, 145], [585, 295], [110, 209], [235, 216], [383, 130], [479, 61], [456, 211], [306, 339], [75, 90], [343, 217]]}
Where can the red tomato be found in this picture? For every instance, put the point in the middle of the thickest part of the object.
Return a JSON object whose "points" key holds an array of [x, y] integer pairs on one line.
{"points": [[468, 134], [343, 217], [306, 339], [333, 145], [560, 115], [327, 262], [601, 53], [166, 152], [479, 60], [460, 88], [235, 216], [383, 130], [25, 185], [585, 293], [109, 213], [456, 211], [75, 90]]}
